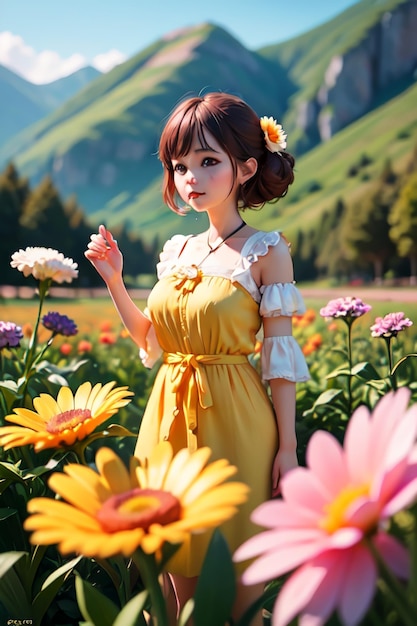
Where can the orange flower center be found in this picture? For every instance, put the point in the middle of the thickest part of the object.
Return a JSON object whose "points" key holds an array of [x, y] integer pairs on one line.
{"points": [[67, 420], [335, 517], [273, 133], [138, 508]]}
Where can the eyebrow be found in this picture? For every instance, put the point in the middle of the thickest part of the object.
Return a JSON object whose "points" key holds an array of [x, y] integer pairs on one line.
{"points": [[206, 149]]}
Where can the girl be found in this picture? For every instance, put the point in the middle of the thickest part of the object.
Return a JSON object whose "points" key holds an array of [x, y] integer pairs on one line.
{"points": [[214, 292]]}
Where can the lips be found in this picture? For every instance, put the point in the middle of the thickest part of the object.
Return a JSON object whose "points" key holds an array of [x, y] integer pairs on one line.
{"points": [[194, 194]]}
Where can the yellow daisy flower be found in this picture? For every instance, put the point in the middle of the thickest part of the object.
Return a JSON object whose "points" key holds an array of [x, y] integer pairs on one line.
{"points": [[115, 511], [62, 422], [275, 138]]}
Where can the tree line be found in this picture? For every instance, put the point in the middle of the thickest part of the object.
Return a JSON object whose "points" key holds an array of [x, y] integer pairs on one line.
{"points": [[371, 239], [40, 217]]}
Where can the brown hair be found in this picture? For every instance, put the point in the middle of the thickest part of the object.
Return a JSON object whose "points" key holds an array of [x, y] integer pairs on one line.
{"points": [[235, 126]]}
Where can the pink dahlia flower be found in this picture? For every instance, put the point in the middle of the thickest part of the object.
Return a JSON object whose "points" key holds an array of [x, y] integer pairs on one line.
{"points": [[345, 307], [390, 325], [331, 510]]}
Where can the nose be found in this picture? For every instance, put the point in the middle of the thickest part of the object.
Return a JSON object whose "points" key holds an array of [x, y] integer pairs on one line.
{"points": [[191, 178]]}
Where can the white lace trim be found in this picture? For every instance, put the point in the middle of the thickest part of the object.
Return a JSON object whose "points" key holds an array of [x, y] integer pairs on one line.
{"points": [[276, 299], [282, 357]]}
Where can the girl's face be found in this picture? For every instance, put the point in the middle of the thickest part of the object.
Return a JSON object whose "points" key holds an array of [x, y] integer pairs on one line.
{"points": [[204, 178]]}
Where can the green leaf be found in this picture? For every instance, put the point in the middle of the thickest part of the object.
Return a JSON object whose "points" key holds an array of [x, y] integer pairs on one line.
{"points": [[10, 472], [132, 612], [339, 371], [397, 365], [366, 371], [43, 469], [216, 587], [5, 513], [7, 560], [328, 396], [13, 595], [50, 588], [11, 392], [94, 606], [114, 430]]}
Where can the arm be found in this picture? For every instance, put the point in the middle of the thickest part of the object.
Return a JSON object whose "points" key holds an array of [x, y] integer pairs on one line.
{"points": [[277, 267], [105, 256]]}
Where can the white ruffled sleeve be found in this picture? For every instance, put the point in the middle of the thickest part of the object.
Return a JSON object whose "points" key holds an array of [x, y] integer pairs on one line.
{"points": [[282, 357], [170, 253], [281, 299]]}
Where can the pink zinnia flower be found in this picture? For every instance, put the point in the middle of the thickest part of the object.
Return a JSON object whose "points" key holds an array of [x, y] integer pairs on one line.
{"points": [[331, 510], [345, 307], [390, 325]]}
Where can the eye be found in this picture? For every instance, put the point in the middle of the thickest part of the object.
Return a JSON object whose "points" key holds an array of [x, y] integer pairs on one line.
{"points": [[209, 161], [179, 168]]}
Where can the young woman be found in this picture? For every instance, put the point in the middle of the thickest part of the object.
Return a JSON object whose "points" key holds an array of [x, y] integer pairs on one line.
{"points": [[214, 292]]}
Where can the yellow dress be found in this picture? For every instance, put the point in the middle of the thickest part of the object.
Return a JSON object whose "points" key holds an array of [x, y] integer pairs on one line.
{"points": [[206, 393]]}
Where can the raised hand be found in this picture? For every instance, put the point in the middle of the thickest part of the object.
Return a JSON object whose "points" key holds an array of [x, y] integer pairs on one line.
{"points": [[104, 254]]}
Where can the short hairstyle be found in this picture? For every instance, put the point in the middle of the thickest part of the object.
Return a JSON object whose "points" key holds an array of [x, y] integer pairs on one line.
{"points": [[236, 128]]}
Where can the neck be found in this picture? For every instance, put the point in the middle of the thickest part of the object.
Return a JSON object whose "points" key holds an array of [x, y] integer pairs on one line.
{"points": [[220, 229]]}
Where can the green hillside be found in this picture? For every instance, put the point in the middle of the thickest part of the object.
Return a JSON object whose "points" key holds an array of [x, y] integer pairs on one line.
{"points": [[101, 144], [389, 132], [306, 57]]}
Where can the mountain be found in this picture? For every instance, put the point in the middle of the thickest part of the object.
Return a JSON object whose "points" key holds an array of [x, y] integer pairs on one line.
{"points": [[24, 103], [343, 69], [348, 83]]}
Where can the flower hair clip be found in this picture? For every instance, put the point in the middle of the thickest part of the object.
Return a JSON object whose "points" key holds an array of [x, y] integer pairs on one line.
{"points": [[275, 138]]}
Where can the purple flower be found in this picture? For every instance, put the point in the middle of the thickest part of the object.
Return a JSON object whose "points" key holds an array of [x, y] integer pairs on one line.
{"points": [[390, 325], [345, 307], [10, 335], [59, 324]]}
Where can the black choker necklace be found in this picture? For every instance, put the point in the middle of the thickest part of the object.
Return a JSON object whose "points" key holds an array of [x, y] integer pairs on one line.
{"points": [[225, 239]]}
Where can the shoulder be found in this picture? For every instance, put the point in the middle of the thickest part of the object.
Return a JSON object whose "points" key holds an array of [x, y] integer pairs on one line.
{"points": [[271, 252], [265, 245]]}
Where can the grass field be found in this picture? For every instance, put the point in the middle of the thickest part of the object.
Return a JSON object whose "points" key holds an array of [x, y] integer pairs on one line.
{"points": [[93, 313]]}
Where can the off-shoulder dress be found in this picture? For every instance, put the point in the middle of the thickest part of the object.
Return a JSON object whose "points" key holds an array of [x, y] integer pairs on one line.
{"points": [[206, 392]]}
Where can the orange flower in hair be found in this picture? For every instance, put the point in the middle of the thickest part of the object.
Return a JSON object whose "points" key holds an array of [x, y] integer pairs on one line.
{"points": [[275, 138]]}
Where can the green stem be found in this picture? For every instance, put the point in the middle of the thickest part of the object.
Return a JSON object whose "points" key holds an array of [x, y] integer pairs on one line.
{"points": [[349, 347], [149, 572], [391, 372], [394, 589], [43, 290]]}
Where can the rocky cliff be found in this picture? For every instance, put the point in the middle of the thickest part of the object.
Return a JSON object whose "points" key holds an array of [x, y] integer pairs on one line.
{"points": [[386, 55]]}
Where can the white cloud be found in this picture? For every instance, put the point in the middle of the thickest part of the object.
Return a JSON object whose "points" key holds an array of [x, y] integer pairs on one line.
{"points": [[47, 65], [108, 60]]}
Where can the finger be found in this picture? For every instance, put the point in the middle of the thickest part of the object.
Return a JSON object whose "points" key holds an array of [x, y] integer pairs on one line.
{"points": [[107, 236]]}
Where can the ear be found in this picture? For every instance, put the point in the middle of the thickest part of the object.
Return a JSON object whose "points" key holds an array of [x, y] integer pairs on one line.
{"points": [[247, 169]]}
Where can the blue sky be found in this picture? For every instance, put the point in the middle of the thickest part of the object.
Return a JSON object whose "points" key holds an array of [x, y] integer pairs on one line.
{"points": [[46, 39]]}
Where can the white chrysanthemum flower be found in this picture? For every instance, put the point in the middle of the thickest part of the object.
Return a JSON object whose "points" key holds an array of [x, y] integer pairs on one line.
{"points": [[45, 263]]}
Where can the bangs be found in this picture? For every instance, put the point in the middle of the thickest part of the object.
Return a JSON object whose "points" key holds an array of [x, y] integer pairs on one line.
{"points": [[179, 133]]}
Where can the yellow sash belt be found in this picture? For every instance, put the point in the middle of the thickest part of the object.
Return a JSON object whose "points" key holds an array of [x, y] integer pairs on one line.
{"points": [[190, 383]]}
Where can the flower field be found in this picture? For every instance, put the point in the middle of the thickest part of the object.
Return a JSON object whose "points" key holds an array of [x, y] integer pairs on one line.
{"points": [[87, 530]]}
